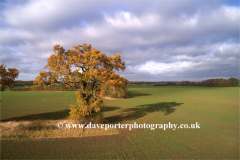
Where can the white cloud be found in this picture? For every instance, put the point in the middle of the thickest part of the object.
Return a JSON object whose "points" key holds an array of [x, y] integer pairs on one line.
{"points": [[128, 20], [155, 68]]}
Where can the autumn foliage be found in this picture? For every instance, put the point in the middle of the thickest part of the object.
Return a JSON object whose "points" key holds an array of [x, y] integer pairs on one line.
{"points": [[7, 76], [86, 69]]}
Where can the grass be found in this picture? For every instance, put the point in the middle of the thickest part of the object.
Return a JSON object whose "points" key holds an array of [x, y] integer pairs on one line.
{"points": [[18, 136], [215, 109], [35, 105]]}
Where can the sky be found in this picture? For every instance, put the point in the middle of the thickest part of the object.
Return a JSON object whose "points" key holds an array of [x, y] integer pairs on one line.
{"points": [[159, 40]]}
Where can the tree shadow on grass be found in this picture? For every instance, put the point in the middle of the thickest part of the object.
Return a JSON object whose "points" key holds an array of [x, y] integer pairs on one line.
{"points": [[128, 113], [107, 109], [51, 115], [42, 116], [142, 110], [133, 94]]}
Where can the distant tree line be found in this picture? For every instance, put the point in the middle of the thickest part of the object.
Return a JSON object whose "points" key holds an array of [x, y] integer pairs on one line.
{"points": [[218, 82], [105, 90], [23, 83], [143, 83], [231, 82]]}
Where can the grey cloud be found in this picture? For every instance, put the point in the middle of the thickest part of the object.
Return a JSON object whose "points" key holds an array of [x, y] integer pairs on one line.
{"points": [[52, 15], [203, 33]]}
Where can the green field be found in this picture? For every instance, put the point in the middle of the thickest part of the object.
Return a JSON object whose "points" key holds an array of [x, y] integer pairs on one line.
{"points": [[215, 109]]}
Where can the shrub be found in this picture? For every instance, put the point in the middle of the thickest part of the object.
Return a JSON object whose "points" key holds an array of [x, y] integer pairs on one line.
{"points": [[108, 91], [95, 118]]}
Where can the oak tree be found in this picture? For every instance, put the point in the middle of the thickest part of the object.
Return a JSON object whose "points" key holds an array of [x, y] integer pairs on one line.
{"points": [[7, 76], [87, 69]]}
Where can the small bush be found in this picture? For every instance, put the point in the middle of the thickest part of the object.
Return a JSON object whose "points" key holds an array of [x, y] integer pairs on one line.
{"points": [[95, 118], [108, 91]]}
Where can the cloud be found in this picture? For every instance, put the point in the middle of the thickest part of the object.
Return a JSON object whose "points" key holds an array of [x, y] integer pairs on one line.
{"points": [[159, 40]]}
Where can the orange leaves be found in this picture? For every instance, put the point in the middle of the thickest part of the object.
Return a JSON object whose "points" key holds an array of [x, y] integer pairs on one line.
{"points": [[83, 58], [87, 54]]}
